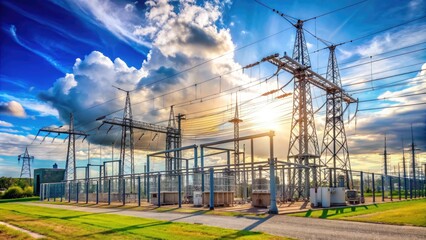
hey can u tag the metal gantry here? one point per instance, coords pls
(70, 173)
(26, 164)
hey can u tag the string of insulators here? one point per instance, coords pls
(270, 92)
(283, 95)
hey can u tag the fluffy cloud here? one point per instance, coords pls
(12, 108)
(5, 124)
(181, 38)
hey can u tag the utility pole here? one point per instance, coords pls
(70, 166)
(26, 164)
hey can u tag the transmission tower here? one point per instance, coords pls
(335, 150)
(70, 172)
(127, 142)
(172, 141)
(236, 121)
(26, 164)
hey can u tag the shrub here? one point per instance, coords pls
(28, 191)
(13, 192)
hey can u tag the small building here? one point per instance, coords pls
(47, 175)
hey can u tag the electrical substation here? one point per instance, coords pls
(225, 170)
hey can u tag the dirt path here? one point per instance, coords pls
(32, 234)
(281, 225)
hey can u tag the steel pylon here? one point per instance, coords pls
(236, 121)
(172, 141)
(303, 145)
(26, 164)
(335, 151)
(127, 142)
(70, 172)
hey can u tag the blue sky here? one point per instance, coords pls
(58, 57)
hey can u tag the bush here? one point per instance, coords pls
(28, 191)
(13, 192)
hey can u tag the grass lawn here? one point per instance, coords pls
(165, 209)
(7, 233)
(26, 199)
(411, 212)
(66, 224)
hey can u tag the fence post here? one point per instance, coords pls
(87, 192)
(180, 190)
(62, 190)
(390, 188)
(78, 183)
(411, 188)
(69, 191)
(399, 186)
(139, 191)
(97, 191)
(405, 188)
(41, 191)
(211, 204)
(383, 188)
(109, 191)
(361, 176)
(374, 189)
(158, 190)
(124, 191)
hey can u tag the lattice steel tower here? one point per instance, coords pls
(303, 145)
(172, 141)
(127, 141)
(70, 173)
(335, 151)
(236, 121)
(26, 164)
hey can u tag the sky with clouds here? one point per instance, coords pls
(59, 56)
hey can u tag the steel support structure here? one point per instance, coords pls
(236, 121)
(26, 164)
(70, 165)
(335, 152)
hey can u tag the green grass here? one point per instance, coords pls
(7, 233)
(400, 213)
(166, 208)
(66, 224)
(26, 199)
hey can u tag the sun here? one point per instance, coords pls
(268, 117)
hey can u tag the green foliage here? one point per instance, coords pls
(6, 182)
(14, 192)
(28, 191)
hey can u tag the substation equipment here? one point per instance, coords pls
(192, 175)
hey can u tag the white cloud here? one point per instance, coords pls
(31, 104)
(13, 108)
(110, 15)
(130, 7)
(5, 124)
